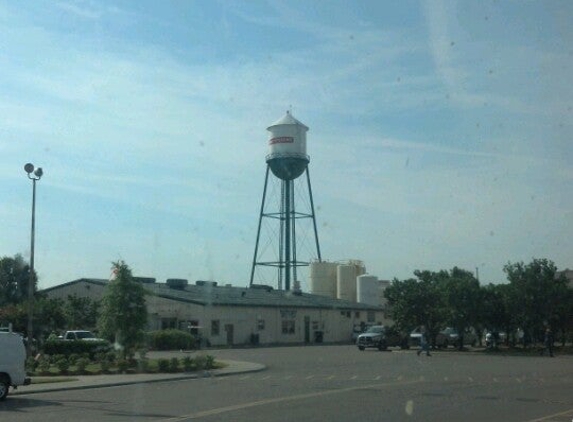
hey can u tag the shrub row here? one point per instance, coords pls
(67, 348)
(171, 339)
(106, 363)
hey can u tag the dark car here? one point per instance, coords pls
(381, 337)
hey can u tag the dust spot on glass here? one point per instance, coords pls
(452, 44)
(492, 233)
(201, 143)
(407, 162)
(351, 37)
(398, 79)
(409, 407)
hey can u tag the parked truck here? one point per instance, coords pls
(12, 363)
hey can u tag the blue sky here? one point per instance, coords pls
(440, 132)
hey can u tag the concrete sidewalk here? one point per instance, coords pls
(78, 382)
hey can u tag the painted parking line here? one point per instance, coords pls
(265, 402)
(562, 416)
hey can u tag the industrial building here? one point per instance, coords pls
(228, 316)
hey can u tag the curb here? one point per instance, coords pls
(233, 368)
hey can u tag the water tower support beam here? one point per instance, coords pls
(259, 228)
(313, 215)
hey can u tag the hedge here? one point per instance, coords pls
(69, 347)
(170, 339)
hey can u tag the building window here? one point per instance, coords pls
(261, 324)
(288, 326)
(371, 316)
(168, 323)
(215, 327)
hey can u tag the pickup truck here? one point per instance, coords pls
(12, 363)
(80, 335)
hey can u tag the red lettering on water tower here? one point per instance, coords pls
(281, 140)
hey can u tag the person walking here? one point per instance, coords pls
(424, 343)
(548, 342)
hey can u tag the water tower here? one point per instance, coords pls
(287, 160)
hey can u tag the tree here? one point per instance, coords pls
(462, 302)
(14, 279)
(123, 312)
(496, 311)
(413, 303)
(81, 312)
(535, 295)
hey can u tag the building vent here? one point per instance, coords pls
(177, 283)
(146, 280)
(206, 283)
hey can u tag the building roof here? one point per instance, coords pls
(208, 293)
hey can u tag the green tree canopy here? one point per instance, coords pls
(123, 310)
(536, 295)
(14, 279)
(416, 302)
(81, 312)
(462, 299)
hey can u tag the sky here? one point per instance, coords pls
(440, 132)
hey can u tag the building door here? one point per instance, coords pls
(306, 330)
(229, 330)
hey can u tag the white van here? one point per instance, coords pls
(12, 363)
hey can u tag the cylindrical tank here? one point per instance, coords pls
(287, 148)
(323, 279)
(346, 282)
(368, 290)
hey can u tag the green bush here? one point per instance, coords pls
(82, 364)
(187, 364)
(174, 365)
(68, 348)
(44, 365)
(204, 362)
(31, 364)
(163, 365)
(122, 366)
(63, 364)
(170, 340)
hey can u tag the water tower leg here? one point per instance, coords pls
(259, 228)
(313, 215)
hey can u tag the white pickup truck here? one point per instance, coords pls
(80, 335)
(12, 363)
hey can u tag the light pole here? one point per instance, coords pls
(33, 176)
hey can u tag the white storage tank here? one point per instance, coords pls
(323, 279)
(346, 282)
(368, 290)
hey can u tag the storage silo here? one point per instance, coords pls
(323, 279)
(346, 282)
(368, 290)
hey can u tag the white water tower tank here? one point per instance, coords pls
(287, 148)
(368, 290)
(346, 282)
(323, 279)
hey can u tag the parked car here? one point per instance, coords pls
(449, 336)
(446, 337)
(381, 337)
